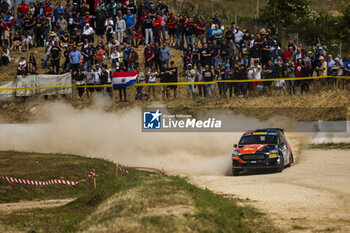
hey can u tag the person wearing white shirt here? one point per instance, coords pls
(5, 56)
(120, 27)
(115, 56)
(109, 24)
(88, 32)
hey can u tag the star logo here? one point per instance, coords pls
(152, 119)
(156, 115)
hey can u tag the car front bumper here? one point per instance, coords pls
(238, 163)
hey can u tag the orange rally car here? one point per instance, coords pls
(262, 148)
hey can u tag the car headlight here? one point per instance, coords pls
(273, 155)
(236, 152)
(274, 151)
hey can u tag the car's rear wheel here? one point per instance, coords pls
(280, 168)
(235, 172)
(291, 159)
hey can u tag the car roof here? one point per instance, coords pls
(270, 131)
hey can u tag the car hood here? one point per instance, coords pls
(254, 148)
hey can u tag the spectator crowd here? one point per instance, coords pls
(92, 39)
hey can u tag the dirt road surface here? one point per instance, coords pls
(311, 196)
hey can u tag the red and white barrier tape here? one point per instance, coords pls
(48, 182)
(122, 169)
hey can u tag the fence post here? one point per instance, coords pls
(94, 174)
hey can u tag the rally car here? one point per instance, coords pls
(262, 148)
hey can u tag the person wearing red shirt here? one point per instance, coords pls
(171, 28)
(48, 13)
(157, 24)
(287, 53)
(23, 9)
(298, 67)
(137, 38)
(86, 19)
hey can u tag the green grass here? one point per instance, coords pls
(330, 146)
(136, 202)
(297, 227)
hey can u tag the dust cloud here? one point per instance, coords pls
(117, 136)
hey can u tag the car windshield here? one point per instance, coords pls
(258, 139)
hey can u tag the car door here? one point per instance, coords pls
(284, 147)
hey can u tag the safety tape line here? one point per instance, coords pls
(48, 182)
(144, 168)
(176, 83)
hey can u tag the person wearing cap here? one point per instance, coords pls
(191, 77)
(190, 31)
(88, 32)
(322, 71)
(74, 59)
(171, 28)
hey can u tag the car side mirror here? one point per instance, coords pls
(235, 145)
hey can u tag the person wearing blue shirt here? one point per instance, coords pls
(217, 33)
(58, 11)
(209, 35)
(164, 55)
(74, 58)
(238, 35)
(130, 21)
(270, 73)
(347, 67)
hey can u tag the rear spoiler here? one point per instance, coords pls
(276, 129)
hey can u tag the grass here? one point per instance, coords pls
(137, 202)
(297, 227)
(331, 146)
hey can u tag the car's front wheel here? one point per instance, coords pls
(280, 168)
(235, 172)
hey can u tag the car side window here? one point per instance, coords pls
(280, 139)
